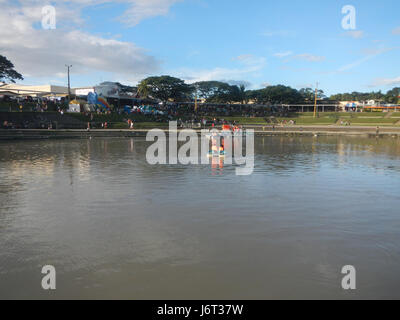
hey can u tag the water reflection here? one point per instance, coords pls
(115, 226)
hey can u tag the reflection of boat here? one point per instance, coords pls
(228, 134)
(219, 134)
(212, 154)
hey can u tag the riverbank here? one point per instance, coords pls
(33, 134)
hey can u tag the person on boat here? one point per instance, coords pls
(222, 147)
(214, 148)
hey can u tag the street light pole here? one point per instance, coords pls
(195, 102)
(315, 104)
(69, 83)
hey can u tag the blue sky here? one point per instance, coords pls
(259, 42)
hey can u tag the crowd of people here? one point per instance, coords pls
(207, 110)
(186, 114)
(30, 104)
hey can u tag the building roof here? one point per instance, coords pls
(34, 91)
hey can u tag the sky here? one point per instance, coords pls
(297, 43)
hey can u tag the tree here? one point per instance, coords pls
(308, 94)
(220, 92)
(242, 94)
(213, 91)
(7, 71)
(359, 96)
(165, 88)
(275, 95)
(393, 96)
(127, 90)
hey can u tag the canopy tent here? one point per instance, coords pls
(74, 108)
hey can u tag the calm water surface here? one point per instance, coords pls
(116, 227)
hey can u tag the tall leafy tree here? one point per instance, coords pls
(241, 94)
(7, 71)
(358, 96)
(213, 91)
(220, 92)
(165, 88)
(393, 96)
(308, 94)
(275, 95)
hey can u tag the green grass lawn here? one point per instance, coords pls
(327, 118)
(311, 114)
(311, 120)
(369, 121)
(244, 120)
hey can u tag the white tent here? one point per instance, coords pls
(74, 107)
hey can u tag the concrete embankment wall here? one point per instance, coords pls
(326, 130)
(30, 134)
(36, 120)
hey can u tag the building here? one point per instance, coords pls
(83, 92)
(33, 91)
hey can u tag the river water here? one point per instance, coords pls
(114, 226)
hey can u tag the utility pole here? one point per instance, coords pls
(195, 102)
(315, 104)
(69, 83)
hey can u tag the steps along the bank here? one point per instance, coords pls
(40, 120)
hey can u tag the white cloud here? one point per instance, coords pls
(375, 51)
(283, 54)
(355, 63)
(385, 82)
(250, 65)
(396, 31)
(357, 34)
(370, 54)
(243, 57)
(52, 50)
(265, 84)
(310, 58)
(215, 74)
(289, 56)
(137, 11)
(144, 9)
(305, 85)
(44, 53)
(250, 60)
